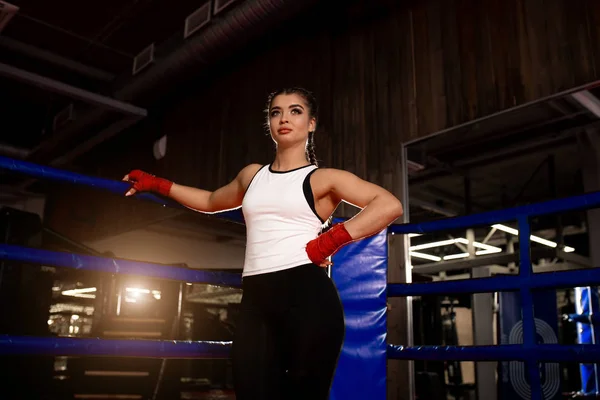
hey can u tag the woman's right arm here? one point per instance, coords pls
(226, 197)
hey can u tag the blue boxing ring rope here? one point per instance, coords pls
(362, 263)
(525, 284)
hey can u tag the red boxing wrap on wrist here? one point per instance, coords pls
(145, 182)
(328, 243)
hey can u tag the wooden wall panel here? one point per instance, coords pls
(577, 30)
(592, 12)
(385, 73)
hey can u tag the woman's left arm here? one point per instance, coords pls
(379, 207)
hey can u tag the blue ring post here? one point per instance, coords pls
(360, 274)
(529, 332)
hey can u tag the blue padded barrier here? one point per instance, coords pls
(360, 274)
(116, 266)
(61, 346)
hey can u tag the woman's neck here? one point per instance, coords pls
(288, 159)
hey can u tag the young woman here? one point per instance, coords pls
(291, 326)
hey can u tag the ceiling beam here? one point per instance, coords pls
(457, 201)
(588, 101)
(11, 151)
(70, 91)
(560, 140)
(53, 58)
(429, 206)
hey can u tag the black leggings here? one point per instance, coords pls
(288, 336)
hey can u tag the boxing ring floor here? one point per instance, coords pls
(360, 274)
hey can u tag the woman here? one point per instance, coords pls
(291, 326)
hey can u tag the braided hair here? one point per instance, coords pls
(313, 112)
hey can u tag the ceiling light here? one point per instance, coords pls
(425, 256)
(137, 290)
(433, 244)
(456, 256)
(82, 293)
(533, 238)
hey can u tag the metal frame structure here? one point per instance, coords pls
(488, 265)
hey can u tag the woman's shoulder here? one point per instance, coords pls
(327, 172)
(247, 173)
(251, 168)
(331, 176)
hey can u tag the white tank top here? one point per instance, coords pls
(280, 219)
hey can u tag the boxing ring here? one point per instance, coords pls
(360, 274)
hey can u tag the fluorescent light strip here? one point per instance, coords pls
(82, 295)
(490, 251)
(506, 229)
(478, 253)
(487, 249)
(137, 290)
(433, 244)
(533, 238)
(425, 256)
(456, 256)
(454, 241)
(76, 291)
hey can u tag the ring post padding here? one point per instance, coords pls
(360, 274)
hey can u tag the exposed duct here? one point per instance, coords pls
(238, 26)
(222, 35)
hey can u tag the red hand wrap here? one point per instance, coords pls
(145, 182)
(328, 243)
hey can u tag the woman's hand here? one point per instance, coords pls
(145, 182)
(325, 245)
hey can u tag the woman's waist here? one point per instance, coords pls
(293, 237)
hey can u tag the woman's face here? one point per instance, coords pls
(290, 120)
